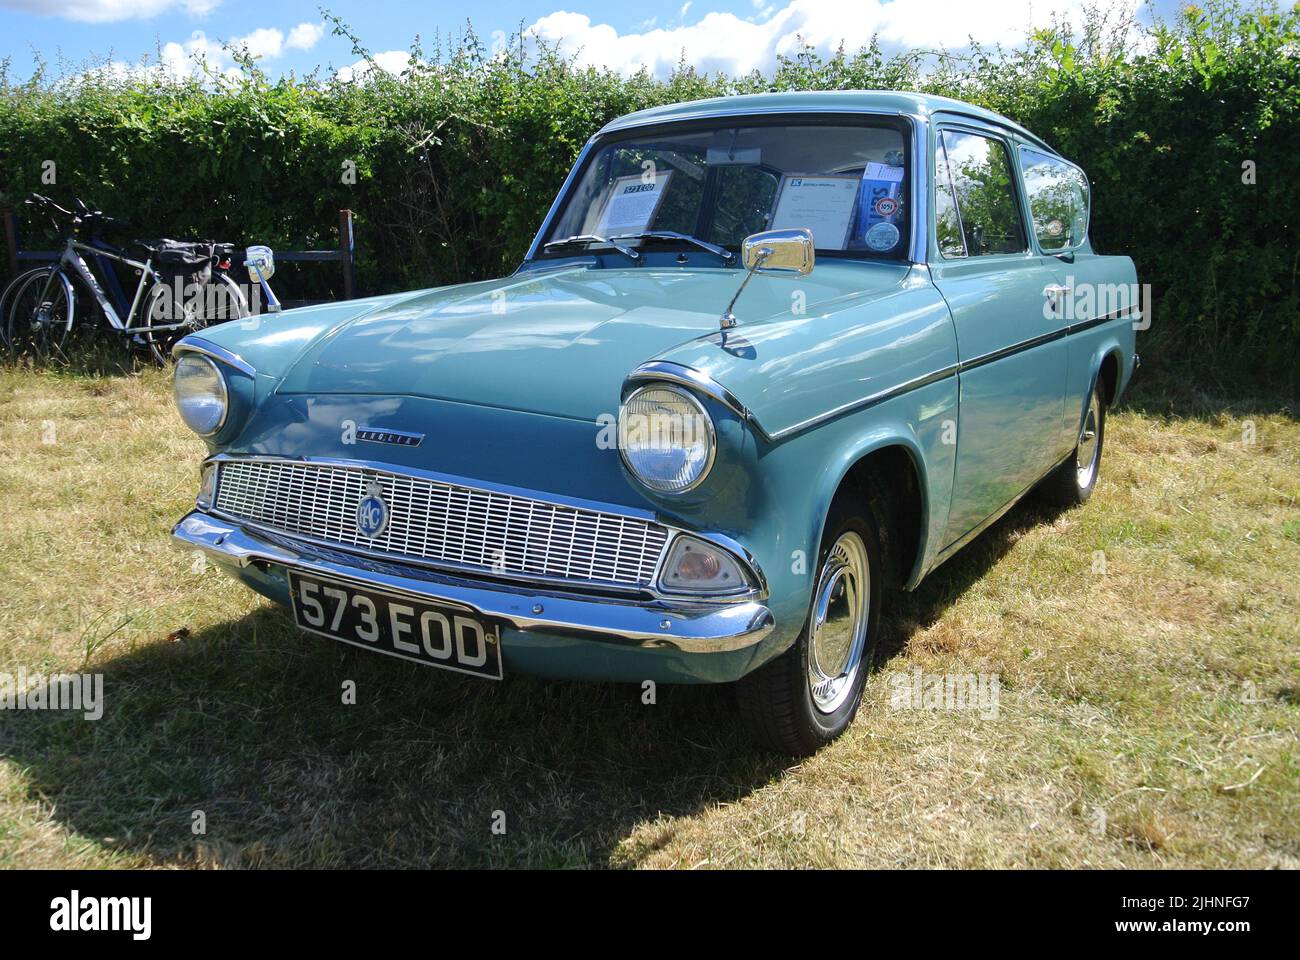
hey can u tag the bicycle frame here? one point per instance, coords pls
(72, 261)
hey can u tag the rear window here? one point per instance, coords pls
(1058, 200)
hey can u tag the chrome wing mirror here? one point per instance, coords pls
(774, 251)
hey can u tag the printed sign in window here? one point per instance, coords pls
(823, 204)
(632, 204)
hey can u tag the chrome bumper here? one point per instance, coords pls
(688, 627)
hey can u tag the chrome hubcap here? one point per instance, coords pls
(1085, 457)
(837, 633)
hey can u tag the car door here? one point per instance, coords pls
(1012, 353)
(1058, 197)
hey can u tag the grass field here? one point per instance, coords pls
(1146, 647)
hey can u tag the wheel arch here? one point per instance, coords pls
(886, 470)
(1108, 370)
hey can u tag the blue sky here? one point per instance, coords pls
(730, 35)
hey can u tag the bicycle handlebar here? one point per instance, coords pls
(46, 201)
(82, 214)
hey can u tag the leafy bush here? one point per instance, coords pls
(458, 158)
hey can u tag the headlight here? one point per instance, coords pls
(666, 438)
(696, 566)
(201, 394)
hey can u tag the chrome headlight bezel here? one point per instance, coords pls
(655, 485)
(221, 392)
(747, 580)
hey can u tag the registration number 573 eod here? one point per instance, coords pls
(400, 626)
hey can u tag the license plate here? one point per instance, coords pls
(427, 633)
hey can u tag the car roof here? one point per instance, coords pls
(918, 105)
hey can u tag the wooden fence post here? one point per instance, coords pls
(11, 240)
(347, 254)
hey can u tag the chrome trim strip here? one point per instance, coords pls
(685, 376)
(1003, 352)
(689, 628)
(870, 401)
(945, 372)
(195, 344)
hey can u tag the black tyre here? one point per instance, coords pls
(808, 696)
(37, 313)
(1072, 483)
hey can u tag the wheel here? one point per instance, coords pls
(38, 314)
(808, 696)
(192, 305)
(6, 299)
(1072, 483)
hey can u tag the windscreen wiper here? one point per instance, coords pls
(592, 238)
(726, 255)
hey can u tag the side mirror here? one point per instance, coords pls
(260, 261)
(779, 251)
(785, 251)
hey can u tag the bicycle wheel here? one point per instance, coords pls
(191, 306)
(40, 311)
(6, 299)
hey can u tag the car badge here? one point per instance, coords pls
(372, 512)
(400, 438)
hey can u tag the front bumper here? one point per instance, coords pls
(550, 633)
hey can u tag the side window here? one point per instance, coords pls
(976, 212)
(1058, 200)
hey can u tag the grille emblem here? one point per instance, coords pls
(372, 512)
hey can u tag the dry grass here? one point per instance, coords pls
(1148, 715)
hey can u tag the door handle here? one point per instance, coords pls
(1056, 292)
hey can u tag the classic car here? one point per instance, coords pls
(768, 358)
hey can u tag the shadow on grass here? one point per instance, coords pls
(245, 723)
(1194, 396)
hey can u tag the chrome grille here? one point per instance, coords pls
(444, 523)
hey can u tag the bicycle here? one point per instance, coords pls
(183, 287)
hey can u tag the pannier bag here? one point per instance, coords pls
(191, 262)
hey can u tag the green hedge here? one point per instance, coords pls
(458, 159)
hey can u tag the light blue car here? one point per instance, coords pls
(767, 358)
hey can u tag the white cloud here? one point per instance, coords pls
(305, 36)
(726, 42)
(184, 58)
(390, 61)
(106, 11)
(200, 54)
(265, 42)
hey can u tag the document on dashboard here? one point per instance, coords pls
(632, 203)
(823, 204)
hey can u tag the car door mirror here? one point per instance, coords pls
(784, 251)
